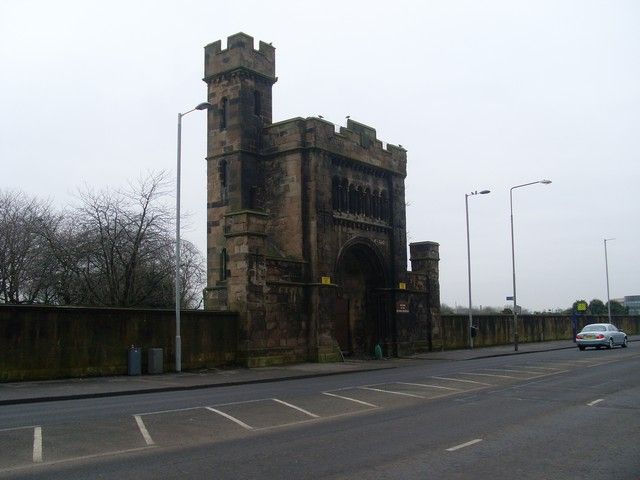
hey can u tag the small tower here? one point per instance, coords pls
(239, 82)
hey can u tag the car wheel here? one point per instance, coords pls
(610, 346)
(581, 347)
(624, 343)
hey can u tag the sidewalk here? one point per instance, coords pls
(14, 393)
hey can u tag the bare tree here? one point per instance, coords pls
(24, 264)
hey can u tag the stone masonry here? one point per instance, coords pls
(306, 226)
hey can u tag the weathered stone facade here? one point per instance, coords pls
(306, 226)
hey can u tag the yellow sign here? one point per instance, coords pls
(402, 286)
(326, 280)
(582, 306)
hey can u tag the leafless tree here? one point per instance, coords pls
(24, 265)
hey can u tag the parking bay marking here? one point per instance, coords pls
(463, 445)
(591, 404)
(489, 375)
(404, 394)
(464, 381)
(430, 386)
(361, 402)
(143, 430)
(296, 408)
(233, 419)
(37, 445)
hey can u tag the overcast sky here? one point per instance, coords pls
(482, 94)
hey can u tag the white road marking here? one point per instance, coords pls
(463, 445)
(464, 381)
(591, 404)
(544, 368)
(296, 408)
(17, 428)
(143, 430)
(391, 392)
(37, 445)
(233, 419)
(489, 375)
(430, 386)
(508, 370)
(351, 399)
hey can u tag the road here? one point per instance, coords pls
(558, 414)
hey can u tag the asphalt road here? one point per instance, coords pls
(559, 414)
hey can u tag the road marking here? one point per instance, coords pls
(430, 386)
(464, 381)
(463, 445)
(17, 428)
(233, 419)
(544, 368)
(296, 408)
(391, 391)
(351, 399)
(144, 431)
(489, 375)
(508, 370)
(591, 404)
(37, 445)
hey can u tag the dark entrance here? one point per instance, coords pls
(360, 321)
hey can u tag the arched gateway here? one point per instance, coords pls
(306, 233)
(361, 313)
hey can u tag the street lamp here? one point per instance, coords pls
(466, 206)
(201, 106)
(606, 267)
(513, 259)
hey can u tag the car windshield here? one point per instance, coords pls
(594, 328)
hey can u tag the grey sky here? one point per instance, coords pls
(486, 94)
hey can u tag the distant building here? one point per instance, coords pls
(632, 302)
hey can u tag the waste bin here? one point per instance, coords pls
(134, 361)
(155, 360)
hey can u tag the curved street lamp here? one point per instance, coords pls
(178, 346)
(513, 259)
(466, 206)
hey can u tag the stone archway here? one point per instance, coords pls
(360, 317)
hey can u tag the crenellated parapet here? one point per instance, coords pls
(239, 55)
(356, 141)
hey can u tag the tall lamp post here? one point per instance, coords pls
(513, 260)
(466, 206)
(178, 349)
(606, 267)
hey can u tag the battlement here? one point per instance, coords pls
(356, 141)
(239, 54)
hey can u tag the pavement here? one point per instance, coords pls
(14, 393)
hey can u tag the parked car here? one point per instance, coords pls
(601, 335)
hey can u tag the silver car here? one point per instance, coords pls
(601, 335)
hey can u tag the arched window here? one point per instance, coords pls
(344, 195)
(224, 113)
(257, 107)
(375, 204)
(353, 199)
(223, 173)
(223, 264)
(384, 206)
(359, 201)
(335, 193)
(367, 202)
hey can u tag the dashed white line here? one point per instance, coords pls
(361, 402)
(464, 381)
(391, 392)
(143, 430)
(595, 402)
(463, 445)
(233, 419)
(296, 408)
(37, 445)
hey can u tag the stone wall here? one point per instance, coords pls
(498, 329)
(43, 342)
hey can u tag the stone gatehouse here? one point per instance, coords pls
(306, 226)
